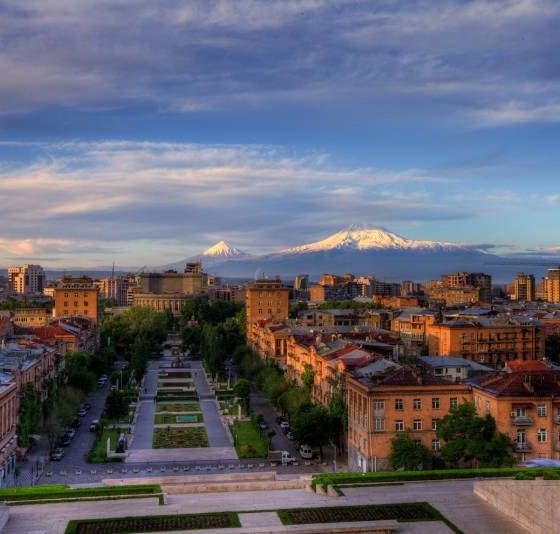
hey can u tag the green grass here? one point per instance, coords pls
(42, 493)
(402, 512)
(180, 438)
(249, 442)
(178, 407)
(154, 523)
(230, 408)
(98, 453)
(171, 419)
(348, 479)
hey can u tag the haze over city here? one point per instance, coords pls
(143, 133)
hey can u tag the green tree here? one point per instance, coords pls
(471, 440)
(408, 454)
(307, 377)
(116, 405)
(310, 425)
(242, 389)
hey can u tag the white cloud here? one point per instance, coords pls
(516, 113)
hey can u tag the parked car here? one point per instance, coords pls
(279, 419)
(290, 436)
(263, 425)
(285, 426)
(101, 383)
(86, 406)
(82, 412)
(104, 377)
(306, 452)
(64, 440)
(57, 454)
(70, 432)
(94, 425)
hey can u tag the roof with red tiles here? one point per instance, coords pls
(544, 383)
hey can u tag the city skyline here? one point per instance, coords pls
(142, 134)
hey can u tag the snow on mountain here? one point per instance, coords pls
(223, 250)
(368, 238)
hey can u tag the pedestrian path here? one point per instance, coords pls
(144, 428)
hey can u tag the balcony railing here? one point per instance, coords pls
(522, 420)
(522, 446)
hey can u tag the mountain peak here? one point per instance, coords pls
(364, 237)
(222, 249)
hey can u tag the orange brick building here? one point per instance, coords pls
(404, 399)
(488, 341)
(77, 297)
(8, 422)
(266, 300)
(526, 406)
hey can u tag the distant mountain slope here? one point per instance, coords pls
(221, 251)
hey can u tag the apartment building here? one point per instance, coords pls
(524, 288)
(26, 279)
(77, 296)
(380, 406)
(114, 288)
(492, 341)
(8, 423)
(266, 300)
(551, 285)
(412, 327)
(526, 406)
(31, 316)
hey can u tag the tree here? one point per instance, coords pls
(310, 425)
(471, 440)
(408, 454)
(242, 389)
(116, 405)
(307, 377)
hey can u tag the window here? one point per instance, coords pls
(541, 410)
(65, 304)
(65, 294)
(435, 403)
(379, 405)
(399, 425)
(453, 402)
(75, 304)
(541, 435)
(85, 302)
(487, 407)
(379, 424)
(435, 423)
(399, 404)
(417, 404)
(438, 371)
(417, 425)
(436, 444)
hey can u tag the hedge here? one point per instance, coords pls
(442, 474)
(64, 492)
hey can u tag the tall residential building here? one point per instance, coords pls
(76, 296)
(551, 285)
(466, 282)
(115, 288)
(301, 282)
(524, 289)
(267, 299)
(26, 279)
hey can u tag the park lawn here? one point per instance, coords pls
(180, 407)
(249, 442)
(98, 453)
(171, 419)
(180, 438)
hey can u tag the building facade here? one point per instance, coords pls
(524, 288)
(25, 279)
(77, 296)
(266, 300)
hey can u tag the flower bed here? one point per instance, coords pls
(171, 419)
(415, 511)
(157, 523)
(179, 407)
(180, 438)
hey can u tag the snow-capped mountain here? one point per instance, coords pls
(364, 238)
(223, 250)
(363, 250)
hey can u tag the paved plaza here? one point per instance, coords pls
(455, 499)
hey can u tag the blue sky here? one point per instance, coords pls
(142, 132)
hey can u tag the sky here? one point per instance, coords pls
(143, 132)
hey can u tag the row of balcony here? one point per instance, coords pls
(527, 420)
